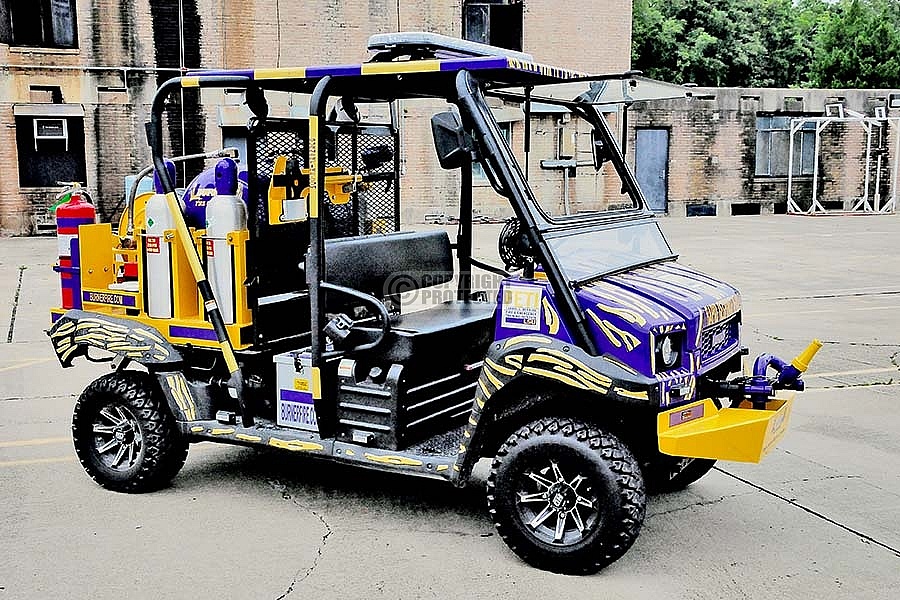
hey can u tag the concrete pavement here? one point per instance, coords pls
(819, 518)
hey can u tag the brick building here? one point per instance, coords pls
(77, 79)
(726, 151)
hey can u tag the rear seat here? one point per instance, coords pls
(382, 265)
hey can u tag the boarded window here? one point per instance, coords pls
(773, 139)
(50, 150)
(41, 23)
(496, 23)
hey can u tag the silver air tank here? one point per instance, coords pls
(225, 213)
(157, 250)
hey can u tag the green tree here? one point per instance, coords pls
(726, 42)
(858, 46)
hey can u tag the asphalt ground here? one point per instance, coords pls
(819, 518)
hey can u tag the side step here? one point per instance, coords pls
(432, 458)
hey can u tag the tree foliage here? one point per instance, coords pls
(769, 43)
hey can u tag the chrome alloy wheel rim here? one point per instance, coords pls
(118, 439)
(557, 510)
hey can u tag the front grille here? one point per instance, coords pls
(718, 338)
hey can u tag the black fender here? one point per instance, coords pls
(516, 363)
(77, 330)
(189, 399)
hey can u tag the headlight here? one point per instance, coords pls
(668, 352)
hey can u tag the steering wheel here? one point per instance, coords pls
(372, 301)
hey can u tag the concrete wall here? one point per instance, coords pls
(712, 148)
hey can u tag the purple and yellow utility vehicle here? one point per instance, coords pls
(602, 367)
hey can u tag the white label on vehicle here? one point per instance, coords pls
(522, 307)
(296, 409)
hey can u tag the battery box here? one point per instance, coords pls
(295, 407)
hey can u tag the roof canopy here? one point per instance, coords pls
(421, 64)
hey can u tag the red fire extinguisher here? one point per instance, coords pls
(69, 215)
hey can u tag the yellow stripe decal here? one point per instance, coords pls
(491, 377)
(551, 317)
(521, 339)
(190, 82)
(316, 383)
(176, 393)
(557, 376)
(629, 394)
(583, 367)
(313, 167)
(285, 73)
(228, 353)
(197, 429)
(417, 66)
(192, 409)
(484, 388)
(514, 359)
(392, 459)
(295, 445)
(500, 369)
(227, 431)
(248, 438)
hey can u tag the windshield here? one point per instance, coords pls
(590, 254)
(570, 155)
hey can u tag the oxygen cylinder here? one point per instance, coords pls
(157, 252)
(225, 213)
(69, 216)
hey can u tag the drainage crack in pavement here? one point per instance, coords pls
(298, 578)
(15, 307)
(21, 398)
(697, 504)
(868, 539)
(826, 296)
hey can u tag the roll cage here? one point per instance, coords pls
(461, 81)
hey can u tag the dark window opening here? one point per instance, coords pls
(773, 139)
(40, 23)
(746, 208)
(50, 149)
(50, 94)
(496, 23)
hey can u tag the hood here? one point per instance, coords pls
(624, 309)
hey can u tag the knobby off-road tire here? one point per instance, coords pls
(124, 434)
(659, 473)
(566, 496)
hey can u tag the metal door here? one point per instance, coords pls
(652, 166)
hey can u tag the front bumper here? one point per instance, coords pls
(738, 433)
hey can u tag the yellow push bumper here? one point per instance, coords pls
(739, 433)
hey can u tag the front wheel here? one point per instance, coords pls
(674, 473)
(566, 496)
(124, 434)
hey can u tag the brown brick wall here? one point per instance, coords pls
(115, 36)
(712, 147)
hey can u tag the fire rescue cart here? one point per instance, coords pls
(264, 306)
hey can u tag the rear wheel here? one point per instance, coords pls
(124, 434)
(565, 496)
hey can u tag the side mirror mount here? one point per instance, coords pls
(599, 148)
(451, 142)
